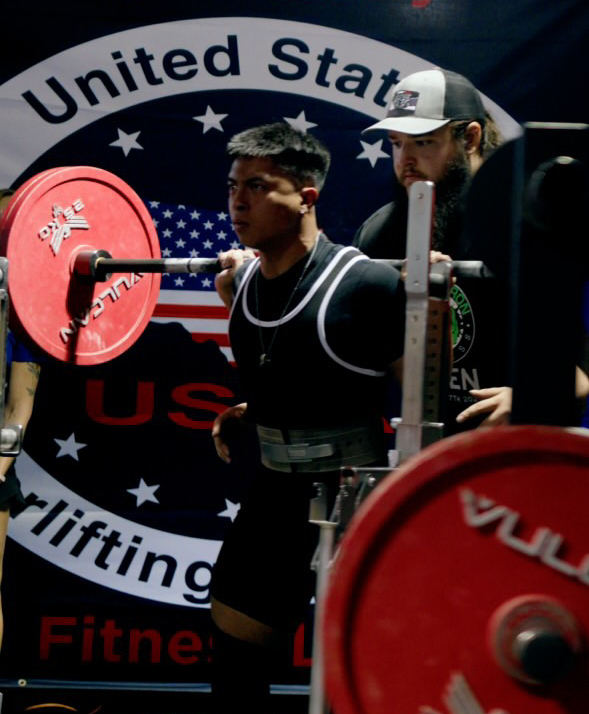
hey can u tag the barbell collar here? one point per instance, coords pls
(99, 265)
(535, 639)
(85, 265)
(11, 440)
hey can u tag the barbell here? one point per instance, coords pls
(85, 263)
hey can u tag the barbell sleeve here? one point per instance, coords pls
(460, 268)
(158, 265)
(98, 265)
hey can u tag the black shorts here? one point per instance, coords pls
(264, 567)
(11, 496)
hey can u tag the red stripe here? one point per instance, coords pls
(221, 340)
(204, 311)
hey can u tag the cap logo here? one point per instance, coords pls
(405, 100)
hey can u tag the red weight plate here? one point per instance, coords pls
(57, 215)
(437, 556)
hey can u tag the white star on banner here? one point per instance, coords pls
(194, 215)
(69, 447)
(206, 283)
(207, 244)
(167, 233)
(166, 253)
(144, 493)
(181, 224)
(193, 254)
(179, 282)
(154, 204)
(222, 216)
(167, 213)
(210, 120)
(373, 152)
(300, 122)
(126, 142)
(180, 243)
(208, 225)
(194, 234)
(230, 511)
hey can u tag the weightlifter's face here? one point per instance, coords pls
(424, 157)
(264, 204)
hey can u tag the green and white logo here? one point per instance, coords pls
(463, 324)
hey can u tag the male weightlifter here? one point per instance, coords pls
(313, 354)
(440, 132)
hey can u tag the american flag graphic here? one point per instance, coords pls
(191, 299)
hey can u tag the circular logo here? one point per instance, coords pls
(463, 324)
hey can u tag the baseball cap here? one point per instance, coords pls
(424, 101)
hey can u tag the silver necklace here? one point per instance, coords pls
(265, 353)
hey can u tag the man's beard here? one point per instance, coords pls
(450, 191)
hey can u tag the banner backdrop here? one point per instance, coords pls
(107, 569)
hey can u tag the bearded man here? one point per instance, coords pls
(440, 131)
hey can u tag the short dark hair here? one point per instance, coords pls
(301, 156)
(490, 138)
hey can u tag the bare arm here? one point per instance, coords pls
(24, 377)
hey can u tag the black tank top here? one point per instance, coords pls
(317, 375)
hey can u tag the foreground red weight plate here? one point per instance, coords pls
(51, 219)
(462, 583)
